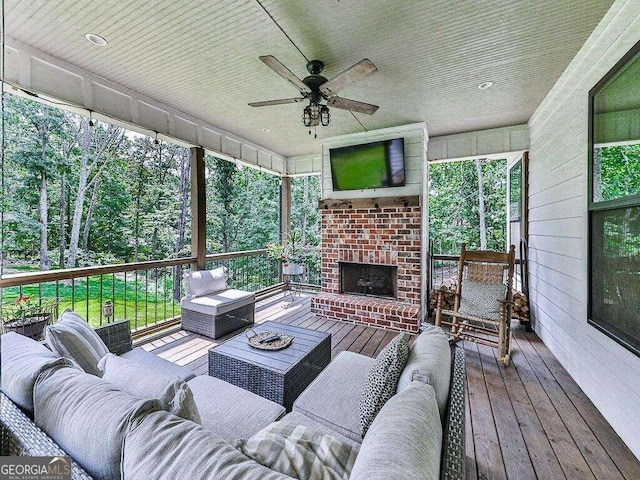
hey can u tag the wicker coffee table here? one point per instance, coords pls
(280, 375)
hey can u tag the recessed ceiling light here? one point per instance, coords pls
(96, 39)
(485, 85)
(265, 130)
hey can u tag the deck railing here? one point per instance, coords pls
(146, 293)
(312, 276)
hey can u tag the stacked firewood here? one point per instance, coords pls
(448, 297)
(520, 309)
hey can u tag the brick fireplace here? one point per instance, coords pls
(371, 262)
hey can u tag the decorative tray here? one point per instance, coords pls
(262, 340)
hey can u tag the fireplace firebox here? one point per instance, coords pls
(371, 280)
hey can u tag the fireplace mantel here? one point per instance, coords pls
(370, 203)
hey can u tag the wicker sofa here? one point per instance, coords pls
(20, 436)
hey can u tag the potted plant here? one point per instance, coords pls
(290, 254)
(28, 316)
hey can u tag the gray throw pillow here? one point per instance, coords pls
(205, 282)
(149, 383)
(481, 299)
(165, 447)
(430, 359)
(88, 417)
(73, 338)
(23, 359)
(382, 380)
(300, 452)
(405, 440)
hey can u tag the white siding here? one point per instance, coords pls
(608, 373)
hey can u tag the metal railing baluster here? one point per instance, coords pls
(146, 297)
(101, 299)
(86, 300)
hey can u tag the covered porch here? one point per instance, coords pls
(566, 405)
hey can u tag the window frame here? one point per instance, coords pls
(612, 204)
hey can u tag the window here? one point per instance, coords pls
(614, 203)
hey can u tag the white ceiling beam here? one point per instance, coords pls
(81, 91)
(485, 143)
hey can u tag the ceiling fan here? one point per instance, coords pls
(315, 88)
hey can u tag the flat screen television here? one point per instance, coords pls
(366, 166)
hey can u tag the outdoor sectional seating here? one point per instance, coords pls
(419, 433)
(212, 309)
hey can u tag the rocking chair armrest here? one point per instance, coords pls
(505, 302)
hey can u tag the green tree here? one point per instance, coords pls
(458, 207)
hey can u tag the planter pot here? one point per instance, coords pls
(293, 269)
(31, 326)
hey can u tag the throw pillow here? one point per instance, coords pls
(73, 338)
(481, 299)
(382, 380)
(87, 418)
(147, 383)
(300, 452)
(205, 282)
(22, 360)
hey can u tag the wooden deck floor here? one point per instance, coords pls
(527, 421)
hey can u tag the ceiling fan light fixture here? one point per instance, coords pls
(96, 39)
(325, 116)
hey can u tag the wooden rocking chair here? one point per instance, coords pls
(483, 300)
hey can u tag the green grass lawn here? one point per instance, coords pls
(365, 168)
(144, 302)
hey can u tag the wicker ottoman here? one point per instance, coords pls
(280, 376)
(218, 314)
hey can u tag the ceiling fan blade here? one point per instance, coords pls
(352, 105)
(352, 74)
(275, 65)
(276, 102)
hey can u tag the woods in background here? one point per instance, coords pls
(78, 194)
(467, 204)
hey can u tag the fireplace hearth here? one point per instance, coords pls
(371, 280)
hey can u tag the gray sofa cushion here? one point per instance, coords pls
(332, 398)
(23, 359)
(382, 380)
(183, 449)
(74, 338)
(404, 442)
(229, 411)
(219, 302)
(430, 356)
(481, 299)
(146, 382)
(297, 418)
(153, 361)
(301, 452)
(87, 417)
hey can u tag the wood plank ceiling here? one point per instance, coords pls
(201, 57)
